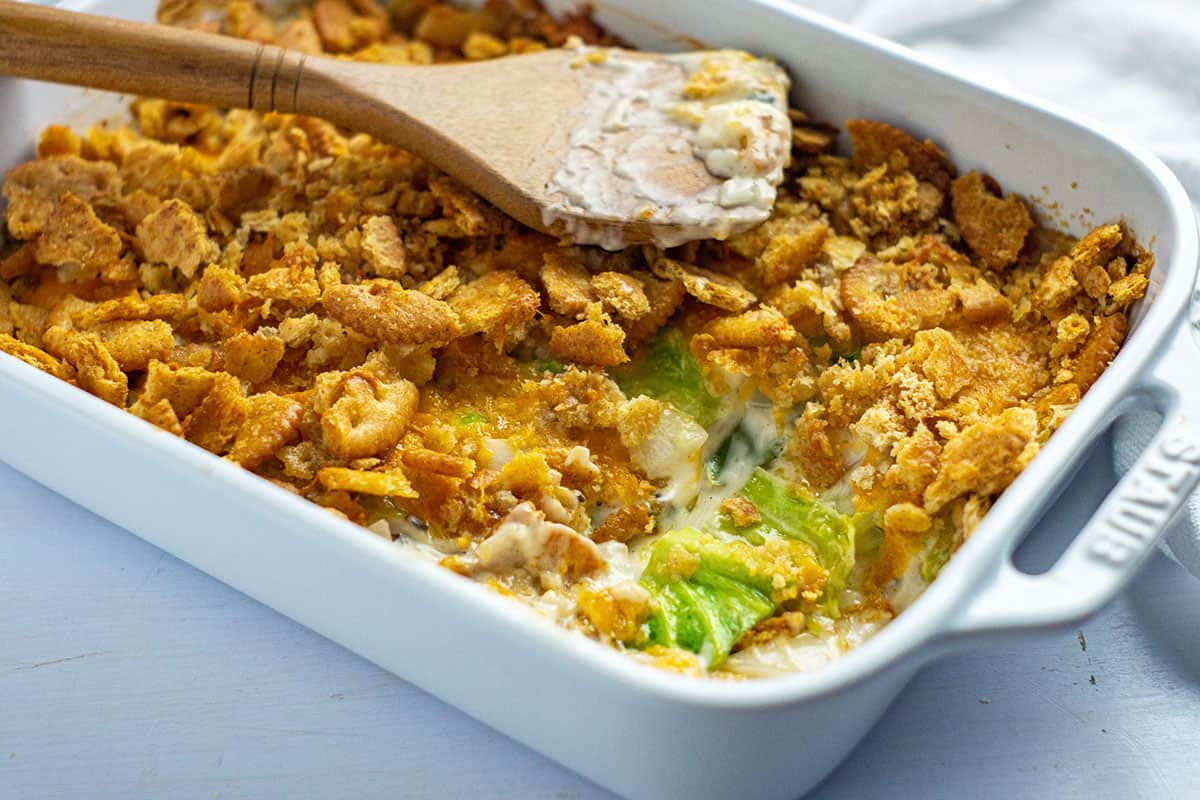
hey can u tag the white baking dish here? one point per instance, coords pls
(638, 731)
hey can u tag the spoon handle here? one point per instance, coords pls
(153, 60)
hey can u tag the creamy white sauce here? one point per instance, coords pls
(694, 164)
(692, 499)
(804, 652)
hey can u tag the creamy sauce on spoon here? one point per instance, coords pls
(693, 143)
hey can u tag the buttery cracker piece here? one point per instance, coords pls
(347, 25)
(424, 460)
(481, 46)
(1100, 349)
(392, 483)
(741, 511)
(243, 20)
(1129, 288)
(624, 294)
(1061, 281)
(96, 371)
(300, 36)
(710, 288)
(293, 282)
(74, 237)
(499, 305)
(22, 261)
(984, 458)
(664, 298)
(175, 235)
(36, 357)
(811, 450)
(58, 140)
(463, 206)
(131, 307)
(385, 312)
(1057, 286)
(873, 143)
(567, 283)
(905, 518)
(596, 341)
(916, 457)
(624, 524)
(216, 420)
(33, 189)
(135, 343)
(136, 206)
(788, 254)
(183, 387)
(943, 360)
(236, 191)
(220, 289)
(759, 327)
(444, 26)
(252, 357)
(442, 285)
(995, 228)
(159, 414)
(617, 611)
(982, 302)
(382, 248)
(874, 294)
(272, 422)
(298, 331)
(359, 414)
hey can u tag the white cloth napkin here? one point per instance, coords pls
(1131, 66)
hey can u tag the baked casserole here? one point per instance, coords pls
(727, 458)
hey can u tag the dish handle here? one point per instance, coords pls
(1123, 531)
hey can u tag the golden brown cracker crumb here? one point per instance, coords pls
(380, 484)
(706, 286)
(596, 341)
(159, 414)
(624, 294)
(252, 357)
(35, 188)
(741, 511)
(96, 371)
(567, 283)
(874, 142)
(271, 423)
(995, 228)
(359, 414)
(135, 343)
(75, 238)
(984, 458)
(624, 524)
(176, 236)
(1099, 349)
(36, 357)
(498, 305)
(383, 249)
(383, 310)
(787, 255)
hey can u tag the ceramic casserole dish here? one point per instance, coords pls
(636, 730)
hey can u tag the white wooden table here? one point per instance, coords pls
(127, 674)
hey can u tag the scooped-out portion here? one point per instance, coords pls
(734, 458)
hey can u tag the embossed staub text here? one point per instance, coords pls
(1146, 499)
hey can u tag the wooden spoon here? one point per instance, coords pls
(502, 127)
